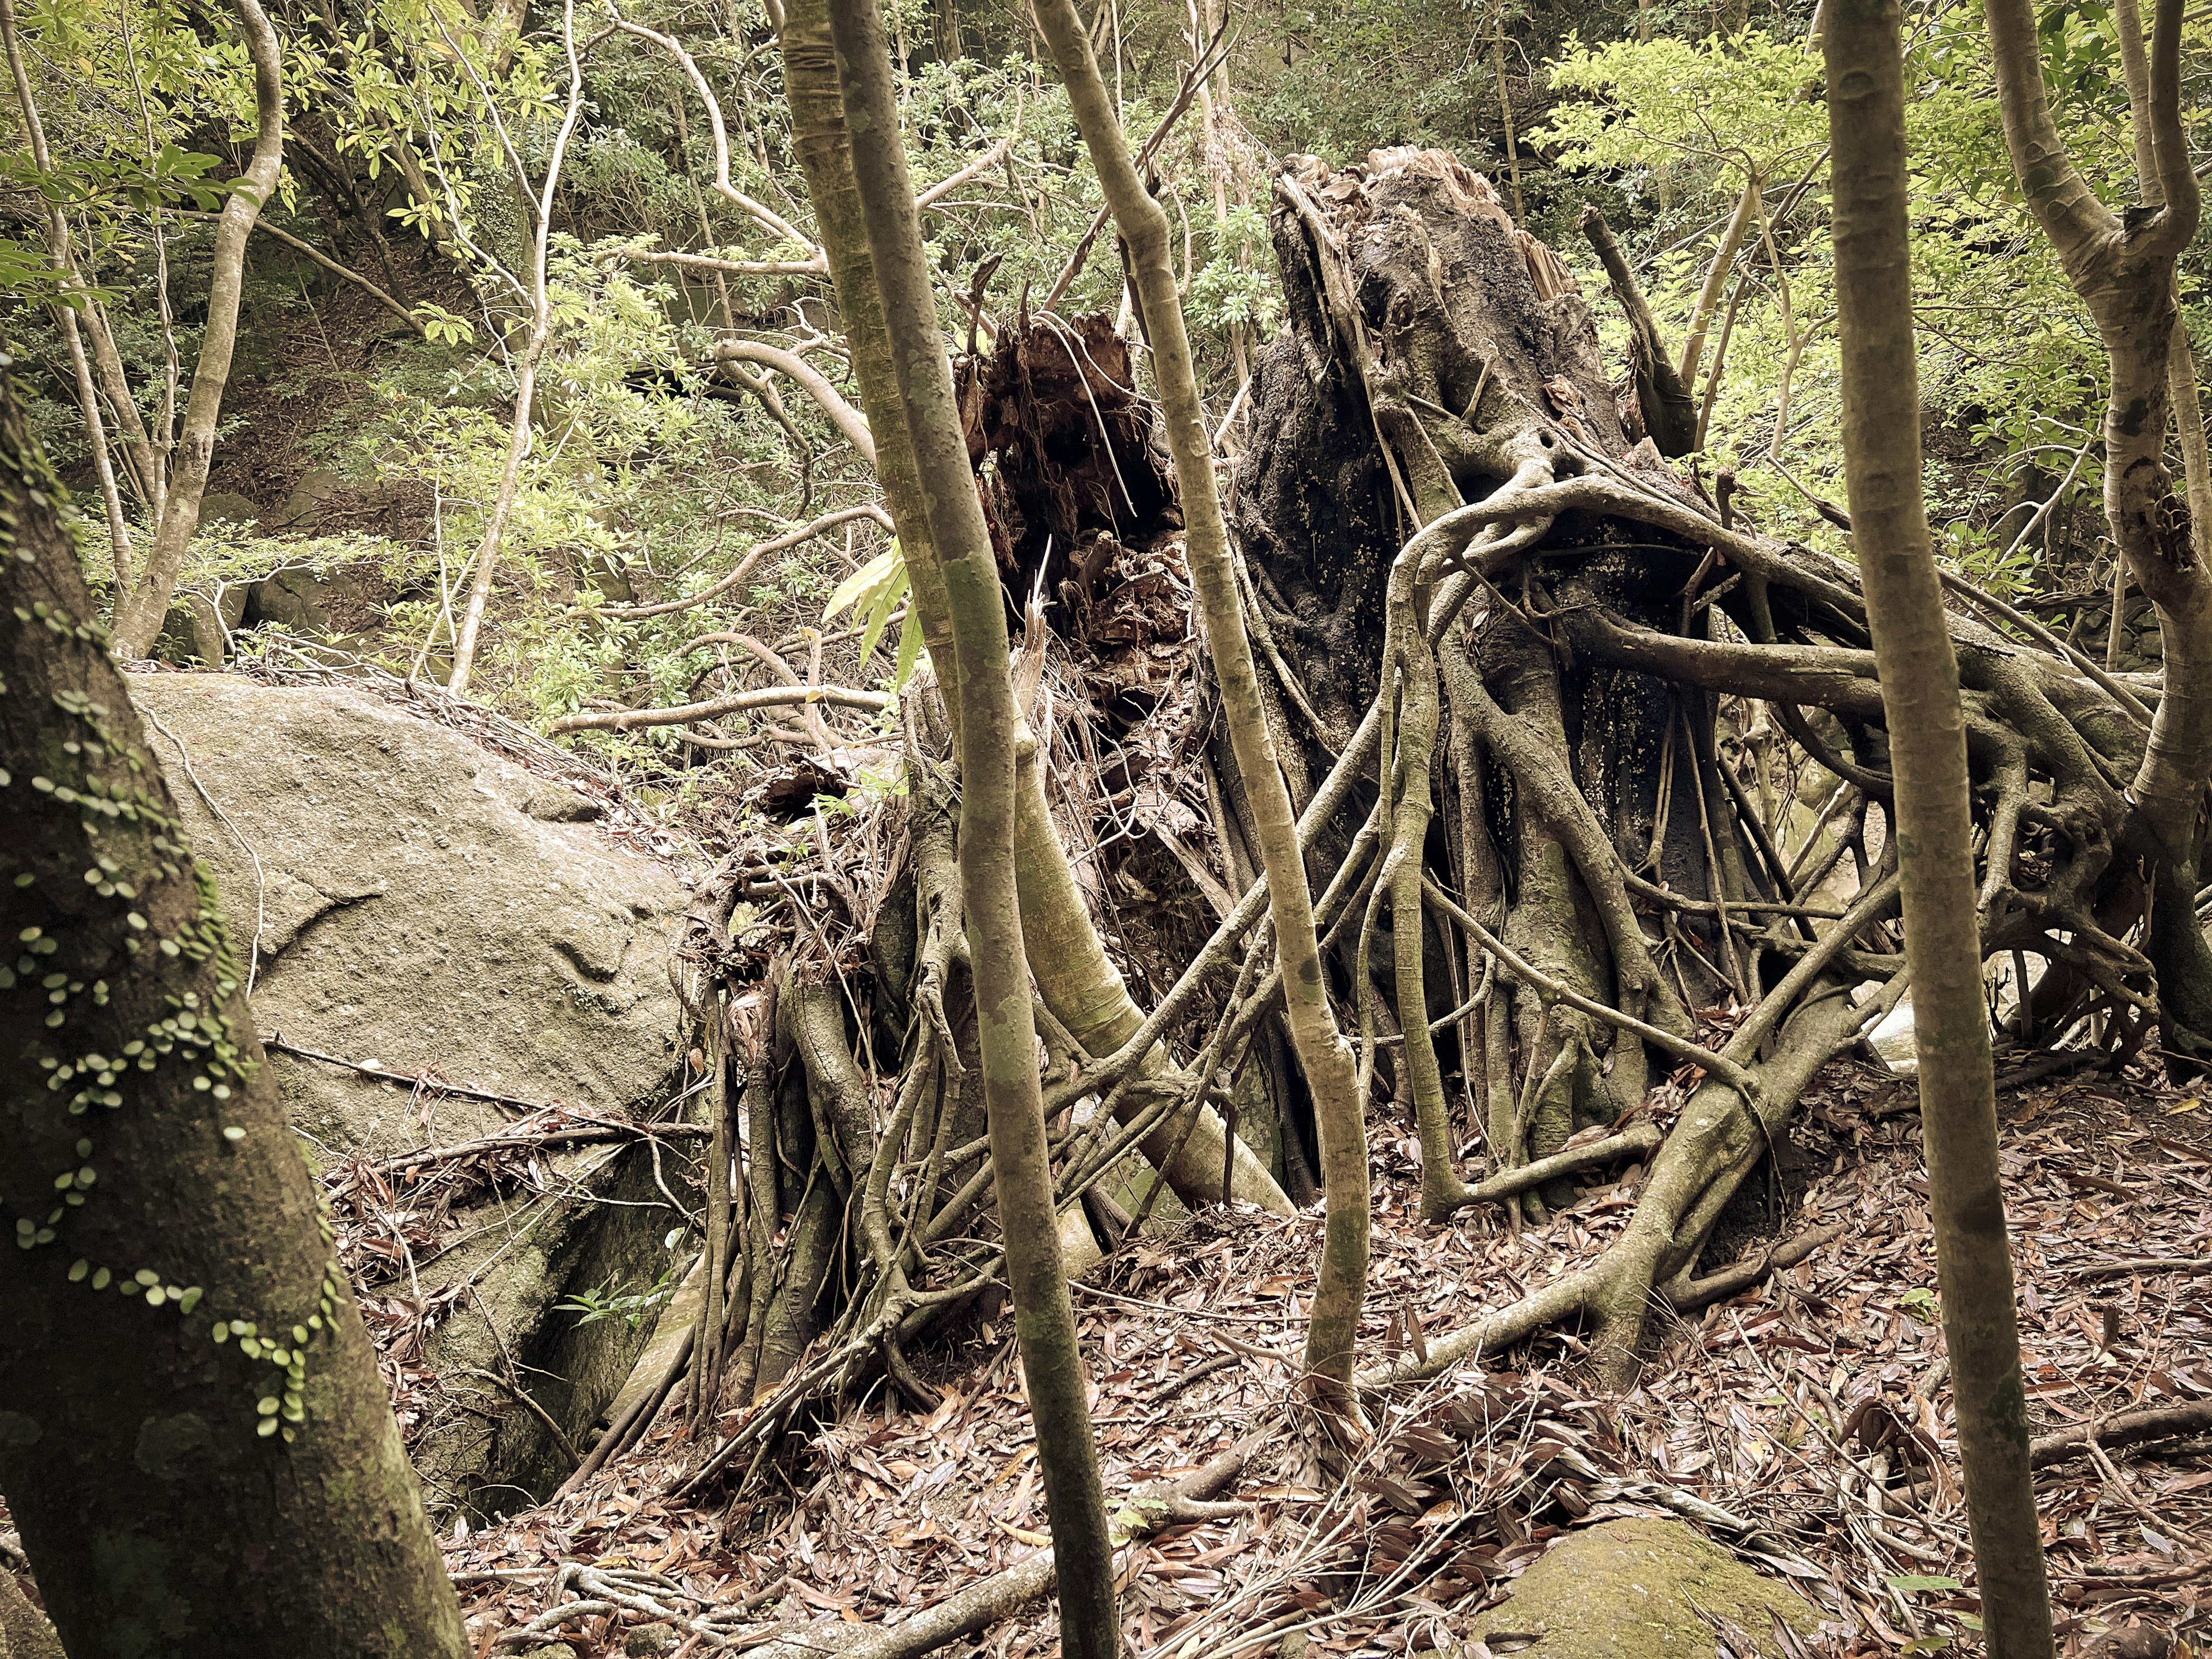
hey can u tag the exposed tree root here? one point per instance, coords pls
(1575, 893)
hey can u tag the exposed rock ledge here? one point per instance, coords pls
(414, 900)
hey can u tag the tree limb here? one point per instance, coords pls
(774, 696)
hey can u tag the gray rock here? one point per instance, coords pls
(649, 1641)
(407, 898)
(1638, 1590)
(226, 507)
(329, 604)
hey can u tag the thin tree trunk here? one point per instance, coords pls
(194, 1438)
(992, 729)
(1919, 675)
(1505, 112)
(1333, 1334)
(1078, 981)
(520, 434)
(2124, 272)
(139, 615)
(1709, 296)
(58, 250)
(2181, 361)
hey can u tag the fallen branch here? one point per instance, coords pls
(275, 1044)
(514, 1392)
(581, 1591)
(1702, 1294)
(1004, 1594)
(2128, 1429)
(773, 696)
(2148, 1264)
(598, 1132)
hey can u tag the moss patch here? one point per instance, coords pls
(1639, 1590)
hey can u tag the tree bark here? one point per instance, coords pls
(1333, 1334)
(2123, 271)
(1919, 675)
(194, 1439)
(140, 614)
(992, 731)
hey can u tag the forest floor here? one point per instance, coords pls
(1774, 1410)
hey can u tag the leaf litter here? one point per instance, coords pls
(1806, 1424)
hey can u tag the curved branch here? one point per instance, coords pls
(809, 379)
(761, 214)
(743, 568)
(774, 696)
(328, 264)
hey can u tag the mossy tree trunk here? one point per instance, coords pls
(193, 1437)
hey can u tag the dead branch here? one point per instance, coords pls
(2128, 1429)
(772, 696)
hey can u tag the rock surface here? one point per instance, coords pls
(412, 899)
(1638, 1590)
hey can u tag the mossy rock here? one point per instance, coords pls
(1639, 1590)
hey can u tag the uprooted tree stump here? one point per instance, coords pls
(1551, 661)
(1591, 775)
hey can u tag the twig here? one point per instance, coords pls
(516, 1392)
(2128, 1429)
(771, 697)
(275, 1044)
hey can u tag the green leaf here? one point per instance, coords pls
(909, 650)
(1913, 1581)
(879, 613)
(861, 588)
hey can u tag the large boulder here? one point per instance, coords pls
(412, 903)
(1640, 1588)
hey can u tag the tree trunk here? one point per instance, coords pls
(140, 614)
(992, 731)
(1935, 817)
(195, 1441)
(2124, 269)
(1332, 1336)
(1080, 983)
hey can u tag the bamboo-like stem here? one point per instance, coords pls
(992, 731)
(1327, 1058)
(1934, 831)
